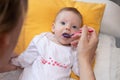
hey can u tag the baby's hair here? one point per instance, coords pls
(74, 10)
(11, 11)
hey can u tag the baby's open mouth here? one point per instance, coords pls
(66, 35)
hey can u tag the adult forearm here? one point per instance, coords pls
(4, 60)
(86, 71)
(5, 64)
(7, 68)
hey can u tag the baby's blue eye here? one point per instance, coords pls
(74, 27)
(63, 23)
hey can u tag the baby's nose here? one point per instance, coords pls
(67, 28)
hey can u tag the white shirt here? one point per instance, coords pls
(46, 60)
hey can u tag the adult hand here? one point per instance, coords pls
(87, 44)
(86, 50)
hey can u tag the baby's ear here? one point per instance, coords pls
(53, 27)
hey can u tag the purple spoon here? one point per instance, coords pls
(66, 35)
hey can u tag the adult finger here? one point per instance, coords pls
(75, 43)
(93, 37)
(84, 35)
(76, 36)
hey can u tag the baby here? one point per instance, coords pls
(50, 56)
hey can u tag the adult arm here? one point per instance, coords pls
(8, 66)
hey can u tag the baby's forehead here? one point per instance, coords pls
(67, 14)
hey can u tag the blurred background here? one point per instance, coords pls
(117, 39)
(116, 1)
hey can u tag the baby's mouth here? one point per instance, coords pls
(66, 35)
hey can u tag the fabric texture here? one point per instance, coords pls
(105, 49)
(115, 64)
(11, 75)
(44, 60)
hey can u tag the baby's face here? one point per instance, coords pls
(66, 22)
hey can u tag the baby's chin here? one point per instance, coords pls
(65, 43)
